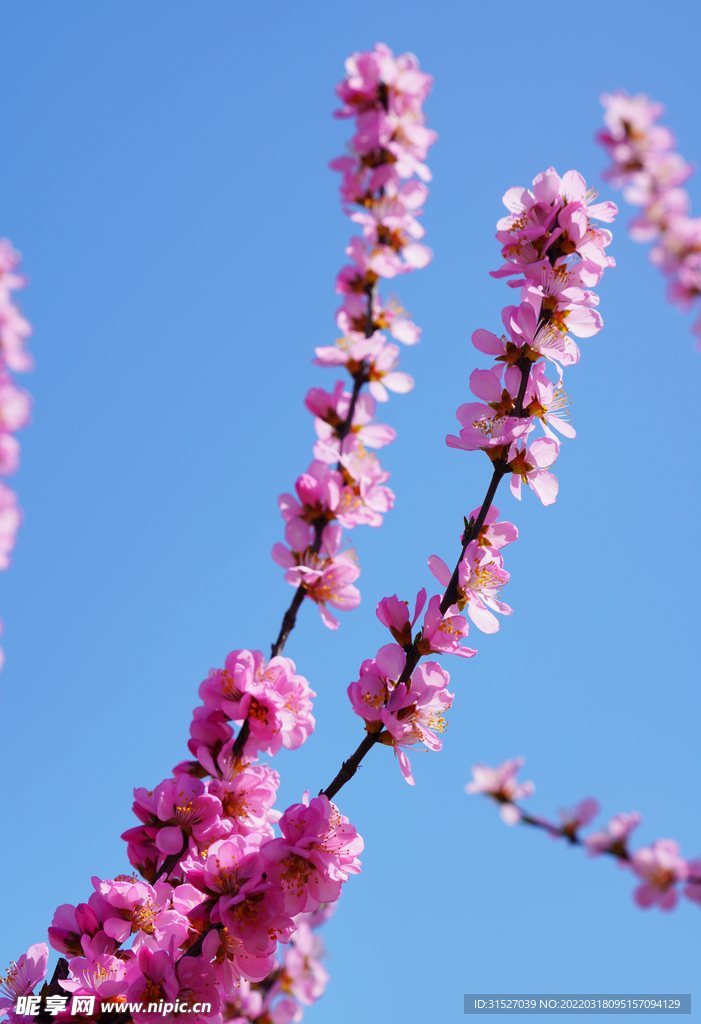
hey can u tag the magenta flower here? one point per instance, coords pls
(247, 794)
(660, 866)
(153, 978)
(394, 614)
(235, 968)
(179, 808)
(230, 873)
(140, 907)
(692, 891)
(275, 700)
(410, 713)
(415, 713)
(318, 851)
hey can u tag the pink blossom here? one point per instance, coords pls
(441, 634)
(394, 614)
(502, 785)
(660, 866)
(481, 578)
(179, 808)
(275, 700)
(327, 577)
(103, 976)
(10, 522)
(579, 816)
(409, 712)
(614, 838)
(530, 466)
(247, 793)
(494, 534)
(235, 967)
(23, 976)
(692, 891)
(415, 713)
(304, 977)
(153, 977)
(140, 907)
(231, 874)
(318, 851)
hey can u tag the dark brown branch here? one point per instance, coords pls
(350, 767)
(289, 620)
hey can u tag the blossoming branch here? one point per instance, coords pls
(646, 166)
(662, 871)
(553, 248)
(383, 190)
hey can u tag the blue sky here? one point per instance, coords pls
(165, 176)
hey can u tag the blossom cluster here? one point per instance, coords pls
(15, 402)
(554, 252)
(644, 163)
(218, 890)
(401, 704)
(383, 189)
(660, 867)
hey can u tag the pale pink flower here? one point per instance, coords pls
(480, 580)
(23, 976)
(614, 838)
(304, 977)
(660, 866)
(530, 465)
(10, 522)
(502, 785)
(103, 976)
(579, 816)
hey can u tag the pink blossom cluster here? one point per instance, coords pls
(382, 190)
(481, 573)
(402, 712)
(662, 870)
(645, 164)
(15, 402)
(554, 252)
(237, 987)
(219, 891)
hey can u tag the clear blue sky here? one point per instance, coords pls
(164, 174)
